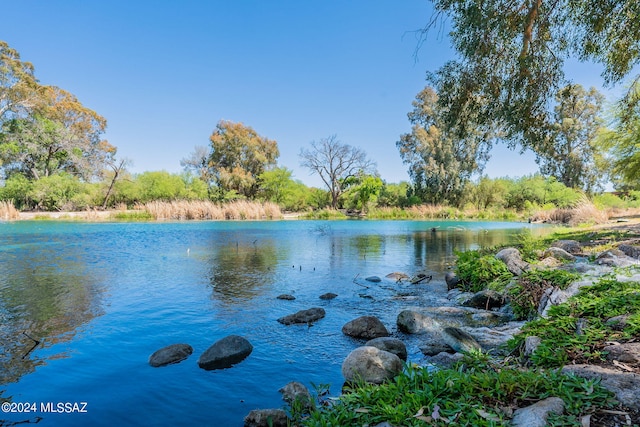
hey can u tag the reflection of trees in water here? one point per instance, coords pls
(47, 292)
(368, 245)
(240, 270)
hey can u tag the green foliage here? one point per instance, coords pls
(394, 195)
(477, 271)
(362, 192)
(160, 185)
(18, 189)
(55, 192)
(526, 293)
(594, 305)
(472, 397)
(530, 191)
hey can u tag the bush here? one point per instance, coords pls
(477, 272)
(17, 188)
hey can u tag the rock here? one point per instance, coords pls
(536, 415)
(446, 360)
(625, 385)
(266, 418)
(296, 393)
(531, 344)
(225, 353)
(549, 262)
(371, 364)
(397, 276)
(366, 327)
(419, 320)
(328, 295)
(485, 299)
(451, 280)
(303, 316)
(630, 250)
(571, 246)
(413, 322)
(459, 340)
(628, 353)
(618, 323)
(170, 354)
(615, 258)
(392, 345)
(559, 253)
(374, 279)
(555, 296)
(286, 297)
(512, 259)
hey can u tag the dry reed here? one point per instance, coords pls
(583, 212)
(207, 210)
(8, 211)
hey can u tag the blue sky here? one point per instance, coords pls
(163, 73)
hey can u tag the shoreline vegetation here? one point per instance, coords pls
(584, 212)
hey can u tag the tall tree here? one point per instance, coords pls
(623, 140)
(335, 162)
(440, 163)
(570, 153)
(238, 156)
(18, 86)
(512, 54)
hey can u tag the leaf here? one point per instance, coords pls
(362, 410)
(425, 419)
(586, 421)
(420, 412)
(487, 416)
(436, 412)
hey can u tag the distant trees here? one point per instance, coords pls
(570, 152)
(440, 162)
(45, 130)
(335, 162)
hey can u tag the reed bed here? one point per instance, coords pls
(207, 210)
(584, 212)
(8, 211)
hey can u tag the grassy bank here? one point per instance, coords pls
(484, 390)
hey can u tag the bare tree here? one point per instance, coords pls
(335, 162)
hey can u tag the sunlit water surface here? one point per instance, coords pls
(101, 297)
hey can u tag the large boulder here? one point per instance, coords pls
(628, 353)
(418, 320)
(392, 345)
(485, 299)
(451, 280)
(625, 385)
(225, 353)
(371, 365)
(266, 418)
(536, 415)
(513, 260)
(366, 327)
(630, 250)
(559, 253)
(303, 316)
(170, 354)
(571, 246)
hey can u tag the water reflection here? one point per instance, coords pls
(241, 271)
(46, 293)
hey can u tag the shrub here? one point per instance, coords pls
(526, 293)
(477, 272)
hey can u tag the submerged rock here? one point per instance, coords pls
(451, 280)
(328, 296)
(303, 316)
(374, 279)
(296, 393)
(170, 354)
(397, 276)
(485, 299)
(286, 297)
(371, 364)
(266, 418)
(366, 327)
(225, 353)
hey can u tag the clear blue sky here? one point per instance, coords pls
(163, 73)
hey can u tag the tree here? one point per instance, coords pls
(571, 154)
(18, 85)
(440, 163)
(238, 156)
(512, 55)
(335, 163)
(198, 163)
(623, 140)
(363, 190)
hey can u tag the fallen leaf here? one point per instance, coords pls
(586, 421)
(362, 410)
(487, 416)
(420, 412)
(425, 419)
(436, 412)
(623, 366)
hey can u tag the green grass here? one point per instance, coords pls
(526, 292)
(594, 305)
(483, 395)
(133, 216)
(477, 271)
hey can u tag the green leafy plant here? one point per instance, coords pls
(478, 271)
(526, 293)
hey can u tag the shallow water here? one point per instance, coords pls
(101, 297)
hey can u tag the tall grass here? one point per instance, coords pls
(207, 210)
(8, 211)
(584, 212)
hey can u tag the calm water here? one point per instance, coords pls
(101, 297)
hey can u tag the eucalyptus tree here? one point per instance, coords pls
(441, 163)
(512, 55)
(570, 153)
(335, 163)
